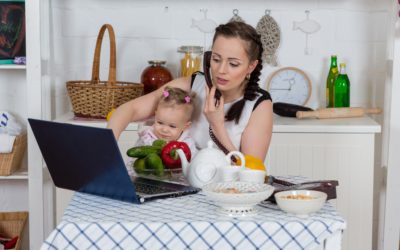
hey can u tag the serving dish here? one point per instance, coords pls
(237, 199)
(300, 202)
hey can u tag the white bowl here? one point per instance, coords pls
(238, 198)
(300, 202)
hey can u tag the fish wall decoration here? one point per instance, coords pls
(205, 25)
(307, 26)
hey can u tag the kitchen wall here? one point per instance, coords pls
(354, 30)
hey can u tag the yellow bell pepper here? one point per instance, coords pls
(108, 117)
(253, 162)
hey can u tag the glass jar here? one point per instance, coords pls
(155, 75)
(191, 59)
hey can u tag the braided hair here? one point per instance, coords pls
(254, 51)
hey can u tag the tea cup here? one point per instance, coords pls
(249, 175)
(229, 173)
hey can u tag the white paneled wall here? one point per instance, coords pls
(354, 30)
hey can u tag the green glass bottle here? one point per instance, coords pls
(342, 88)
(330, 82)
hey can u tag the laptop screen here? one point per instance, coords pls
(84, 159)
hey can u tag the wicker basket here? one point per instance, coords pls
(95, 98)
(11, 162)
(12, 224)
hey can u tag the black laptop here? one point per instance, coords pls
(88, 160)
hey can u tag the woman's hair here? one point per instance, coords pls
(176, 96)
(254, 51)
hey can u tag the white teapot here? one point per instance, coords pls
(205, 166)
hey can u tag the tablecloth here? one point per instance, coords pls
(187, 222)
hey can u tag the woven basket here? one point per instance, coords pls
(95, 98)
(11, 162)
(12, 224)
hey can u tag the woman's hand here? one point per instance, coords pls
(214, 109)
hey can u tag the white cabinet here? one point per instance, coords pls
(338, 149)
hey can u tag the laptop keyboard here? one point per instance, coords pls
(150, 189)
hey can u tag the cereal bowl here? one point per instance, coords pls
(300, 202)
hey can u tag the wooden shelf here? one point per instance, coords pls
(21, 174)
(12, 66)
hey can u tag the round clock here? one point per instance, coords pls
(289, 85)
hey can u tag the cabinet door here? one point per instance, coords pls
(348, 158)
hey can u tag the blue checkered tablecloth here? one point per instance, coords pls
(188, 222)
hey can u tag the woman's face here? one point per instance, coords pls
(170, 122)
(230, 64)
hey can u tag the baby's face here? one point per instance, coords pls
(170, 122)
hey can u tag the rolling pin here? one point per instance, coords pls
(326, 113)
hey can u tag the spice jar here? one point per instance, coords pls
(155, 75)
(191, 59)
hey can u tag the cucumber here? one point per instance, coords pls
(154, 162)
(159, 143)
(142, 151)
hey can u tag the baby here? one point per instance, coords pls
(171, 120)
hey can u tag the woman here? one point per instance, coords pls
(242, 118)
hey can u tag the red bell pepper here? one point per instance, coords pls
(170, 157)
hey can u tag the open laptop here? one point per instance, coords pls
(88, 160)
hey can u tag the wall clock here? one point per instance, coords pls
(289, 85)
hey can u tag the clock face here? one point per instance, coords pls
(289, 85)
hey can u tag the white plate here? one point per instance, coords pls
(238, 199)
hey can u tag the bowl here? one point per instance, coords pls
(300, 202)
(237, 199)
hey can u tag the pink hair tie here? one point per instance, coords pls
(165, 93)
(187, 99)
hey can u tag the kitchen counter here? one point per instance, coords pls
(100, 123)
(338, 125)
(281, 124)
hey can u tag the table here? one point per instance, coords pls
(188, 222)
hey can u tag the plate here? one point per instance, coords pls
(238, 199)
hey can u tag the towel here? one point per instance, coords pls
(8, 124)
(6, 143)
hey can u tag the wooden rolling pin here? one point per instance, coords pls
(326, 113)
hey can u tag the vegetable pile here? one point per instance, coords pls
(160, 155)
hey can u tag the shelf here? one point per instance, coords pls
(12, 66)
(21, 174)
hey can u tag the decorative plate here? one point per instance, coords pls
(238, 199)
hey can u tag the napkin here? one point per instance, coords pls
(8, 124)
(6, 143)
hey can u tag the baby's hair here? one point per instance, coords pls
(176, 96)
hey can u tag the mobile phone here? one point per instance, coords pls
(207, 74)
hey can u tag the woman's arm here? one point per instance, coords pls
(257, 135)
(142, 107)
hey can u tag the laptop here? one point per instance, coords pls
(88, 160)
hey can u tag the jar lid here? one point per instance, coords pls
(157, 62)
(191, 49)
